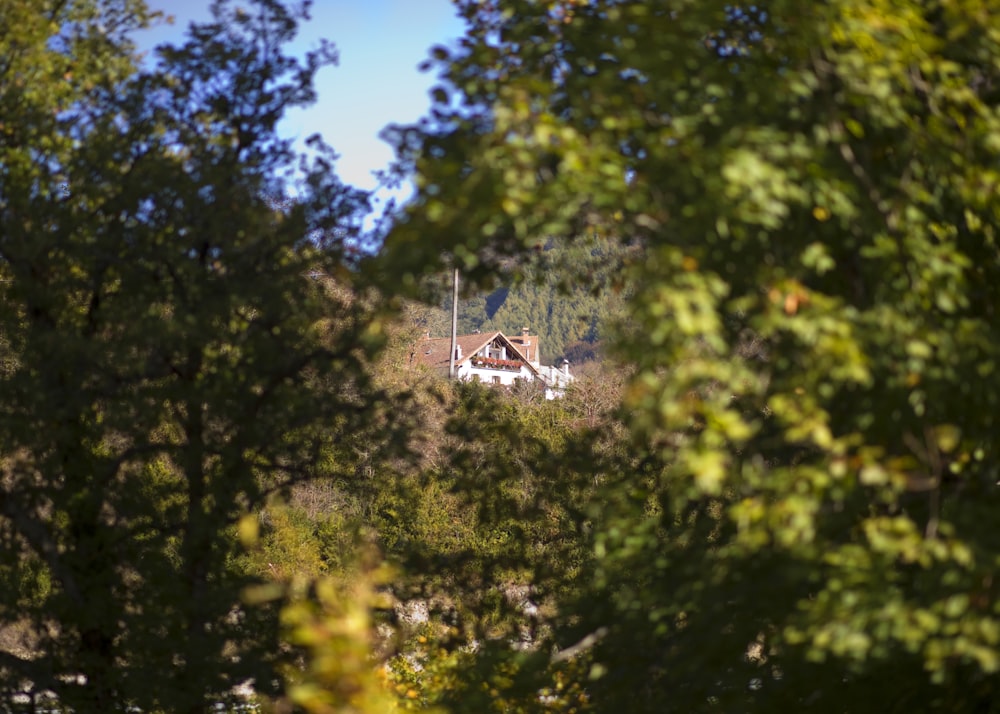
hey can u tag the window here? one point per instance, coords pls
(496, 380)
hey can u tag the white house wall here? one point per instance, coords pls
(468, 372)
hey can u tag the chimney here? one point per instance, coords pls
(566, 367)
(524, 332)
(458, 352)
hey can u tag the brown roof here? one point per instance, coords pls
(435, 352)
(530, 350)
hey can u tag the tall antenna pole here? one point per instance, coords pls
(454, 324)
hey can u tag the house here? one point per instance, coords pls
(492, 358)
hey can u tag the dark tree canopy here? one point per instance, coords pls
(167, 360)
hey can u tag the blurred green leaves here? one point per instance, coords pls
(813, 334)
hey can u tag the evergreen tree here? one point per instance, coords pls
(565, 295)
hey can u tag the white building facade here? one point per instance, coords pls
(493, 358)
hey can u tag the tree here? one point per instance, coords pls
(170, 357)
(805, 517)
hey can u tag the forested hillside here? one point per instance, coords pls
(571, 296)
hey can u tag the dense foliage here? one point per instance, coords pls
(813, 327)
(219, 466)
(167, 362)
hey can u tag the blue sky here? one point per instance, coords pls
(377, 83)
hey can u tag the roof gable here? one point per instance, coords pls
(435, 352)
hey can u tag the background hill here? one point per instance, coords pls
(567, 297)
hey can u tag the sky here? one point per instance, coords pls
(376, 83)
